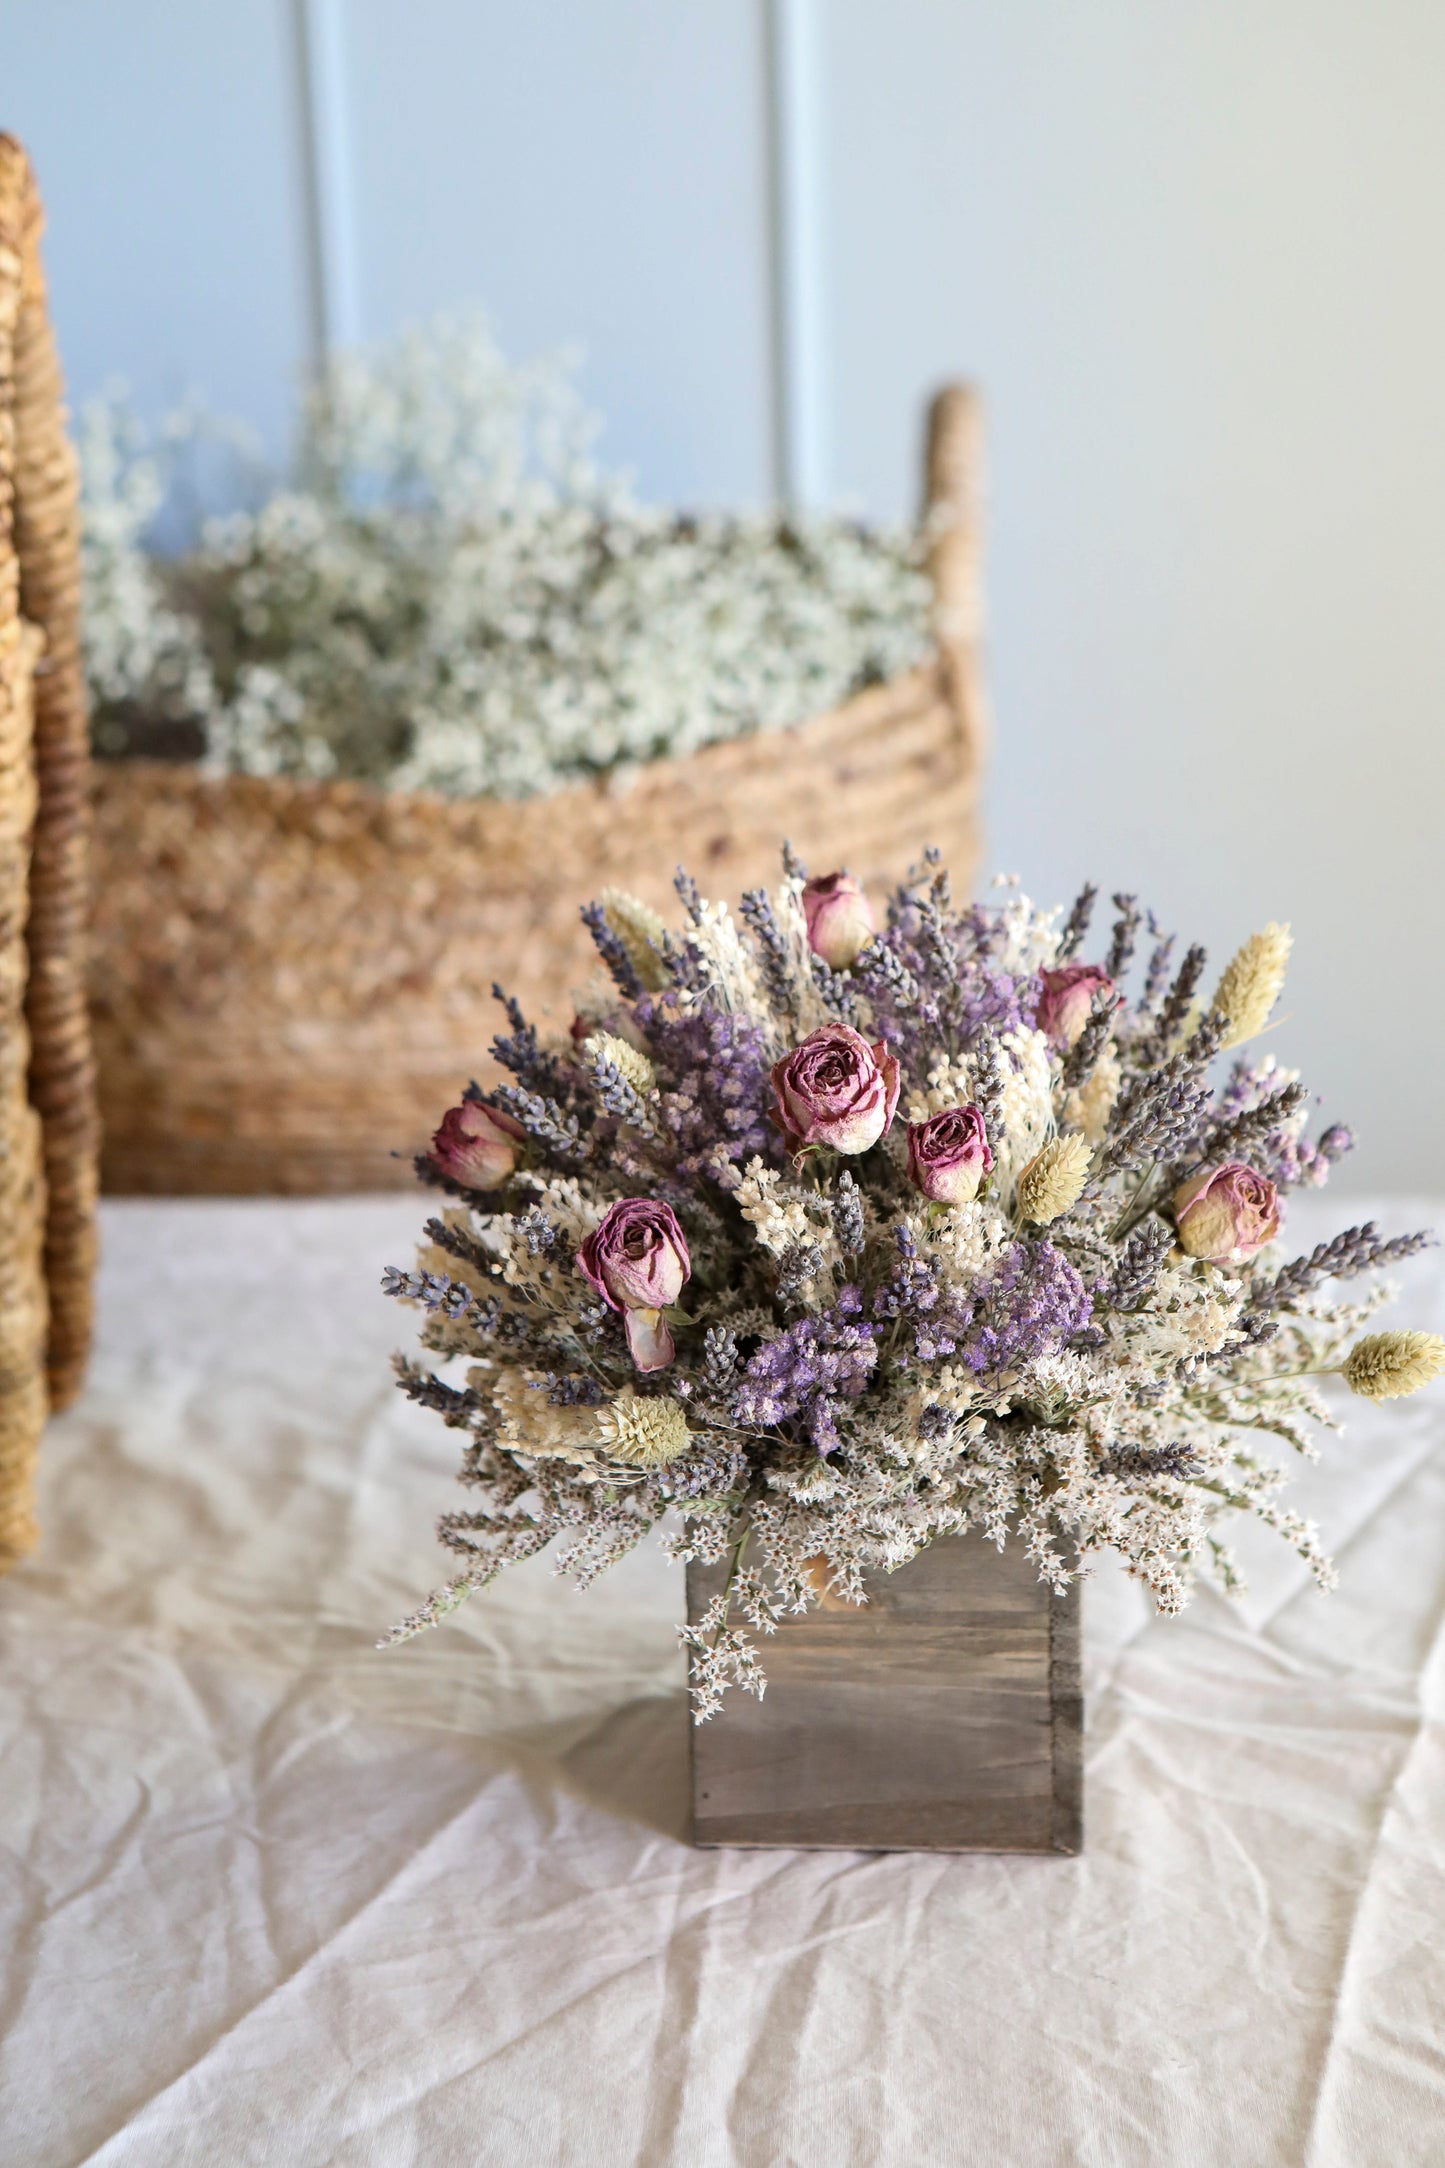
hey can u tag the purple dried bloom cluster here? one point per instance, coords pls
(1028, 1309)
(712, 1067)
(946, 1228)
(804, 1375)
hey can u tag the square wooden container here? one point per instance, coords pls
(944, 1715)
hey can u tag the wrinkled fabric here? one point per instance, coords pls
(268, 1895)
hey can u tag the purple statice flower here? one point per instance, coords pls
(712, 1068)
(805, 1371)
(1029, 1308)
(996, 999)
(1295, 1162)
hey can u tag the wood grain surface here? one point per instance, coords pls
(944, 1715)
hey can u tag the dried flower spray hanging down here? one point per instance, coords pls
(818, 1241)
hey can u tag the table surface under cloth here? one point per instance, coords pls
(267, 1895)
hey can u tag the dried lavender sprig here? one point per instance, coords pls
(1156, 977)
(433, 1290)
(613, 951)
(1180, 999)
(618, 1094)
(715, 1471)
(837, 990)
(988, 1083)
(457, 1405)
(719, 1361)
(882, 971)
(793, 865)
(1139, 1264)
(1160, 1112)
(537, 1231)
(1358, 1249)
(846, 1208)
(932, 936)
(458, 1243)
(1076, 925)
(1126, 928)
(548, 1122)
(687, 894)
(1235, 1139)
(757, 908)
(799, 1263)
(1084, 1055)
(519, 1051)
(571, 1389)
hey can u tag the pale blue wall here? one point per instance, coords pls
(1192, 249)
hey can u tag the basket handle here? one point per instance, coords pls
(953, 522)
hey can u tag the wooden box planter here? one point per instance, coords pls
(47, 1099)
(291, 981)
(944, 1715)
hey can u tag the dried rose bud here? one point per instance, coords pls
(476, 1145)
(1067, 998)
(949, 1155)
(840, 919)
(835, 1089)
(1228, 1212)
(637, 1259)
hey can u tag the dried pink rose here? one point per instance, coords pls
(840, 918)
(476, 1145)
(637, 1259)
(1228, 1212)
(835, 1089)
(949, 1155)
(1067, 998)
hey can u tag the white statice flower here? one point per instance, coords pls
(1028, 937)
(963, 1240)
(776, 1209)
(1028, 1106)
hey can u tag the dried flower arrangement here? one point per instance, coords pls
(450, 594)
(697, 1266)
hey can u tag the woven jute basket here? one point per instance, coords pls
(48, 1129)
(291, 981)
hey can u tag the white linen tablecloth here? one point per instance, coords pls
(267, 1895)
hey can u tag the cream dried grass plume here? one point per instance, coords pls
(646, 1433)
(1251, 983)
(1054, 1178)
(1387, 1365)
(631, 1064)
(641, 930)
